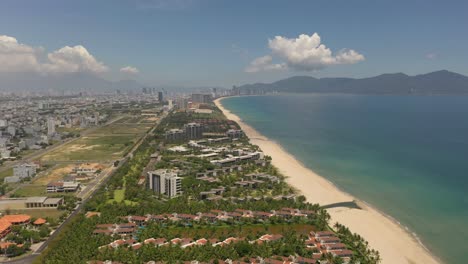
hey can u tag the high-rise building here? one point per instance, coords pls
(160, 97)
(173, 186)
(234, 133)
(202, 98)
(193, 130)
(165, 182)
(182, 103)
(50, 126)
(175, 134)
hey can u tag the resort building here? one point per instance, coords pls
(234, 133)
(193, 131)
(175, 135)
(165, 182)
(7, 221)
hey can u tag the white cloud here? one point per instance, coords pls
(15, 57)
(264, 64)
(307, 53)
(73, 59)
(431, 56)
(18, 57)
(129, 70)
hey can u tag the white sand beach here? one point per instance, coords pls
(394, 243)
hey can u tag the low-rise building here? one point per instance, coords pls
(62, 186)
(30, 203)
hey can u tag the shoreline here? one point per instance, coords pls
(395, 242)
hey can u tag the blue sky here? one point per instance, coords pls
(213, 42)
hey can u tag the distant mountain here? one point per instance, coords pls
(439, 82)
(75, 82)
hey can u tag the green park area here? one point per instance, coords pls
(6, 173)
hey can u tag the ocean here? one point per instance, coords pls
(405, 155)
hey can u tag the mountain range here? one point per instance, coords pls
(439, 82)
(76, 82)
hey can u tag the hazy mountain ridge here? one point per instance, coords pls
(439, 82)
(76, 82)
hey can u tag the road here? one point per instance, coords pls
(87, 193)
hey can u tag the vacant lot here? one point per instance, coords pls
(30, 190)
(122, 129)
(92, 148)
(60, 171)
(105, 143)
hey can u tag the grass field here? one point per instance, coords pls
(39, 213)
(31, 190)
(69, 129)
(122, 129)
(105, 143)
(6, 173)
(119, 196)
(92, 148)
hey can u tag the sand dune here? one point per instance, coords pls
(394, 243)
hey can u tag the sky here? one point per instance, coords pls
(224, 43)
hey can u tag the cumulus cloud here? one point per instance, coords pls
(307, 53)
(18, 57)
(264, 64)
(129, 70)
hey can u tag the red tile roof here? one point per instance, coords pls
(4, 226)
(16, 219)
(40, 221)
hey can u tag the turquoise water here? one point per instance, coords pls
(406, 155)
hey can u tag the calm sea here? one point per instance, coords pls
(406, 155)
